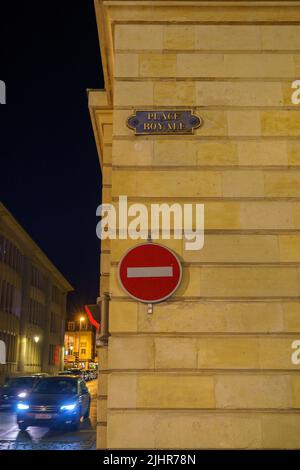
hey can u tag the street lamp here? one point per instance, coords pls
(81, 319)
(36, 339)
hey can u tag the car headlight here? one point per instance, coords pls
(22, 406)
(70, 407)
(22, 395)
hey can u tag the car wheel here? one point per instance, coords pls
(22, 426)
(75, 426)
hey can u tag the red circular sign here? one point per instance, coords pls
(150, 272)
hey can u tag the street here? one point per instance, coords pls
(41, 438)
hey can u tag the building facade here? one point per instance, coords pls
(79, 345)
(32, 303)
(213, 366)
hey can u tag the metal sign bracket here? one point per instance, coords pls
(150, 309)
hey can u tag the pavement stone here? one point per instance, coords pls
(89, 444)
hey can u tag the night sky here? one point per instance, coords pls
(49, 175)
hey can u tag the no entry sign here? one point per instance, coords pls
(149, 272)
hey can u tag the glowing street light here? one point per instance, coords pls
(81, 319)
(36, 339)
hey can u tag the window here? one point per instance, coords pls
(54, 385)
(82, 352)
(54, 323)
(36, 313)
(33, 353)
(51, 355)
(7, 292)
(71, 326)
(10, 254)
(56, 295)
(54, 354)
(11, 343)
(37, 278)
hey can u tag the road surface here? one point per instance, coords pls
(35, 438)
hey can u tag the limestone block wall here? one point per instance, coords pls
(211, 367)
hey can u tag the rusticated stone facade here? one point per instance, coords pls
(211, 367)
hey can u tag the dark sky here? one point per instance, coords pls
(49, 174)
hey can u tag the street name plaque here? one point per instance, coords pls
(168, 122)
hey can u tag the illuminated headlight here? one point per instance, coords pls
(22, 395)
(22, 406)
(68, 407)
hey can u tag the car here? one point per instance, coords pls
(55, 401)
(95, 372)
(80, 372)
(89, 375)
(92, 374)
(86, 375)
(65, 372)
(41, 374)
(16, 388)
(75, 371)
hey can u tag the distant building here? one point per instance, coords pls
(79, 344)
(33, 297)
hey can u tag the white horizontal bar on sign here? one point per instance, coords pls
(150, 271)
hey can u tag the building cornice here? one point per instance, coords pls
(109, 13)
(101, 114)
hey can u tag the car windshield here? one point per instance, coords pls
(26, 382)
(56, 385)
